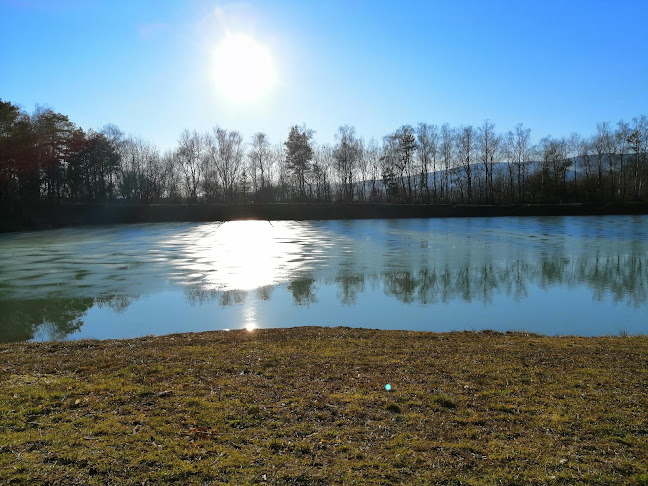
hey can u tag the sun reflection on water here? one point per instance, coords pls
(241, 255)
(249, 316)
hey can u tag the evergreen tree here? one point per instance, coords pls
(299, 154)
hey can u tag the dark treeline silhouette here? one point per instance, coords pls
(45, 156)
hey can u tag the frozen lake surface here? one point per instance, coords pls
(549, 275)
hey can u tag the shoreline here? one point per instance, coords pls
(311, 405)
(49, 215)
(295, 329)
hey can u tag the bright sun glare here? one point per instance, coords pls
(244, 70)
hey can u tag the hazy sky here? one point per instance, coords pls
(148, 66)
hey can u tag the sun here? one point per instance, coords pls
(244, 69)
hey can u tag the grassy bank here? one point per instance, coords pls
(48, 214)
(309, 406)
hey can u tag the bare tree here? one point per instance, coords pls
(621, 136)
(488, 143)
(347, 153)
(372, 160)
(116, 140)
(601, 143)
(261, 160)
(522, 150)
(321, 171)
(586, 161)
(574, 143)
(427, 149)
(447, 145)
(607, 135)
(226, 152)
(153, 171)
(171, 178)
(554, 164)
(364, 169)
(508, 151)
(465, 152)
(282, 174)
(638, 142)
(191, 161)
(545, 149)
(211, 184)
(136, 158)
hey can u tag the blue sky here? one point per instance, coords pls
(556, 66)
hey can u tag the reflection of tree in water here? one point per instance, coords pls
(198, 296)
(264, 293)
(21, 320)
(513, 280)
(428, 281)
(464, 283)
(350, 286)
(302, 290)
(117, 303)
(488, 283)
(623, 277)
(401, 284)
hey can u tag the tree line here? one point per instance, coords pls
(44, 155)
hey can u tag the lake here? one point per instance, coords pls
(549, 275)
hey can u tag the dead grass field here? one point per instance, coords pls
(309, 406)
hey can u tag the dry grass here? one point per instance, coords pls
(309, 406)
